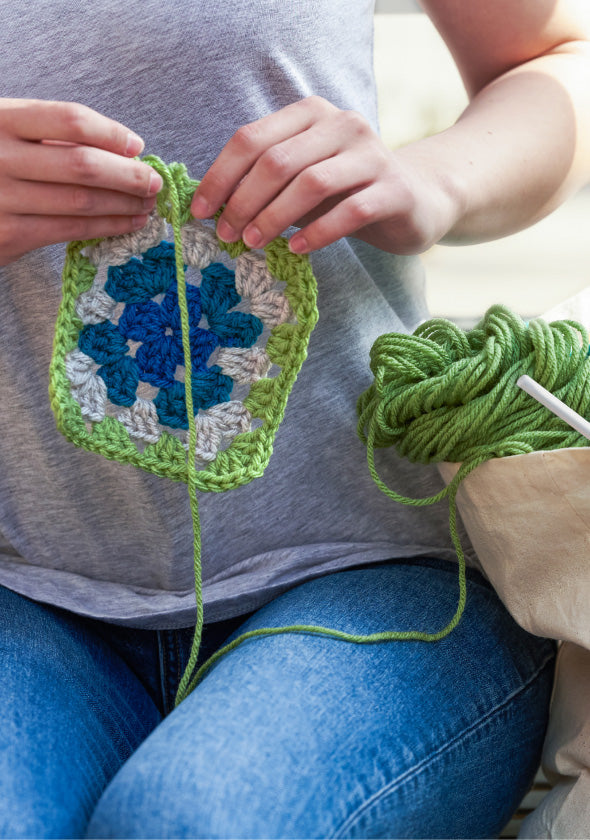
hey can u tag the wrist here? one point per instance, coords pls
(443, 184)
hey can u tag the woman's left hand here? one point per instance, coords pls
(325, 170)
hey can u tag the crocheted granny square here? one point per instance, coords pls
(119, 367)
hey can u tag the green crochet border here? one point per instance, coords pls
(249, 453)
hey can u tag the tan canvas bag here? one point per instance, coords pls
(565, 811)
(528, 517)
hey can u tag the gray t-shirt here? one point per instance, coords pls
(112, 541)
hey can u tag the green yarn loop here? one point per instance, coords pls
(445, 395)
(190, 680)
(442, 394)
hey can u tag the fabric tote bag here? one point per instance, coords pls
(528, 517)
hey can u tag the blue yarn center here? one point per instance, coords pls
(156, 328)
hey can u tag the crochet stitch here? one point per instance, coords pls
(118, 371)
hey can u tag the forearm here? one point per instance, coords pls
(519, 149)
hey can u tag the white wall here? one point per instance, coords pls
(392, 6)
(420, 90)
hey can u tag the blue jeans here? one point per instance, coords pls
(287, 736)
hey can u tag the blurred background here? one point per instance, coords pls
(420, 92)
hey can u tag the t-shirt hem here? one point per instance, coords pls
(159, 609)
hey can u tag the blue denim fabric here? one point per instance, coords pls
(288, 736)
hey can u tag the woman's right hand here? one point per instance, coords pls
(66, 172)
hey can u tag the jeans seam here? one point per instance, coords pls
(178, 655)
(427, 761)
(163, 671)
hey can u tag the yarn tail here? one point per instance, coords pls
(173, 198)
(185, 687)
(188, 684)
(190, 679)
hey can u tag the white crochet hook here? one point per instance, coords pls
(546, 398)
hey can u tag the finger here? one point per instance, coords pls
(271, 175)
(308, 194)
(365, 207)
(25, 198)
(70, 122)
(25, 233)
(245, 147)
(82, 165)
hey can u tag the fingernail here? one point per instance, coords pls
(135, 145)
(149, 203)
(298, 244)
(200, 207)
(226, 232)
(252, 237)
(138, 222)
(156, 183)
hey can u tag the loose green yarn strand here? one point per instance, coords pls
(172, 197)
(371, 638)
(338, 635)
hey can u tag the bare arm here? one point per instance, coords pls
(523, 143)
(520, 148)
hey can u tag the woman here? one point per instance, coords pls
(291, 736)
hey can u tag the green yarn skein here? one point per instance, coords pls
(443, 394)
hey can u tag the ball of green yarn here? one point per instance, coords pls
(443, 394)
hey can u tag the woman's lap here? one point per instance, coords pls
(304, 736)
(71, 715)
